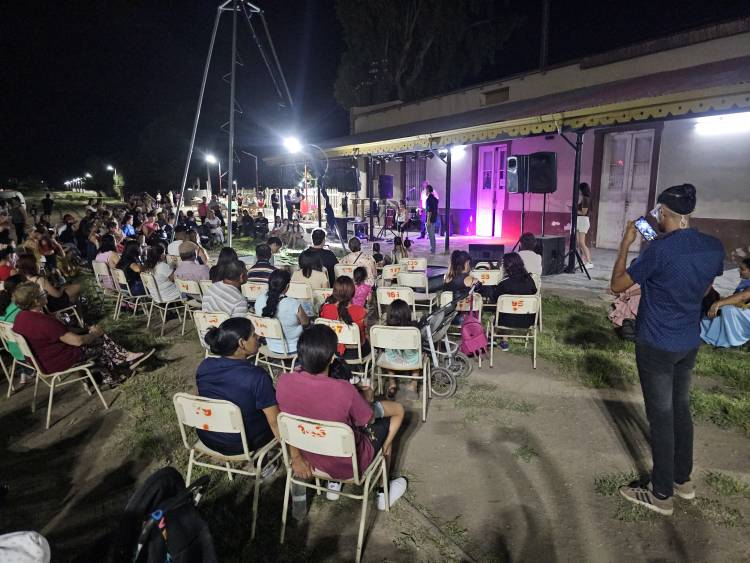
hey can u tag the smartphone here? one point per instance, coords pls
(646, 230)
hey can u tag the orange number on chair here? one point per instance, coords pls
(316, 432)
(393, 295)
(516, 304)
(202, 411)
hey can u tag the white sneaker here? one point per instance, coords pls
(334, 488)
(589, 266)
(396, 489)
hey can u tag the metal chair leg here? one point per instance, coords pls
(49, 403)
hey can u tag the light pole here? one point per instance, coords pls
(293, 145)
(255, 157)
(211, 159)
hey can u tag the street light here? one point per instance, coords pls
(294, 146)
(87, 174)
(211, 159)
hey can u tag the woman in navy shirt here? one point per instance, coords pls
(232, 377)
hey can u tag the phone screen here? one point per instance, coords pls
(646, 230)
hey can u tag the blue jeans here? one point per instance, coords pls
(665, 381)
(431, 234)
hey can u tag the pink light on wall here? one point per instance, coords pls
(470, 225)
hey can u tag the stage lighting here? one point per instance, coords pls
(292, 144)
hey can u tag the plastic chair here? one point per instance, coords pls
(251, 290)
(400, 338)
(173, 260)
(319, 297)
(101, 273)
(271, 328)
(488, 278)
(51, 380)
(214, 415)
(333, 439)
(418, 281)
(204, 321)
(344, 270)
(389, 274)
(205, 285)
(152, 289)
(126, 295)
(190, 290)
(514, 305)
(414, 264)
(538, 282)
(349, 336)
(6, 338)
(301, 291)
(387, 295)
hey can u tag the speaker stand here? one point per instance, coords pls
(523, 220)
(581, 265)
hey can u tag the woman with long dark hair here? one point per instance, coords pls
(311, 271)
(274, 304)
(57, 297)
(156, 264)
(459, 279)
(227, 255)
(339, 307)
(517, 282)
(130, 263)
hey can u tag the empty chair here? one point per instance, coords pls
(319, 297)
(418, 281)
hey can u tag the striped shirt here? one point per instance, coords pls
(224, 298)
(260, 271)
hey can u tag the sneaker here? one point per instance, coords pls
(685, 490)
(334, 488)
(504, 345)
(589, 266)
(644, 497)
(396, 489)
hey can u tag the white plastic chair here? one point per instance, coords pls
(301, 291)
(538, 282)
(205, 285)
(51, 380)
(489, 278)
(319, 297)
(387, 295)
(414, 264)
(126, 295)
(251, 290)
(390, 274)
(173, 260)
(418, 280)
(214, 415)
(7, 337)
(271, 328)
(400, 338)
(344, 270)
(190, 290)
(101, 273)
(204, 321)
(349, 336)
(514, 305)
(162, 305)
(332, 439)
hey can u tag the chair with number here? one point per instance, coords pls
(344, 270)
(538, 283)
(488, 278)
(271, 328)
(126, 295)
(414, 264)
(420, 283)
(403, 338)
(173, 260)
(331, 439)
(215, 415)
(205, 285)
(204, 321)
(514, 305)
(387, 295)
(304, 293)
(389, 275)
(190, 291)
(162, 305)
(319, 297)
(251, 290)
(349, 336)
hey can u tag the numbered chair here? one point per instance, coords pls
(389, 275)
(344, 270)
(319, 297)
(387, 295)
(51, 380)
(204, 321)
(303, 292)
(126, 295)
(251, 290)
(173, 260)
(400, 338)
(162, 305)
(102, 278)
(333, 439)
(514, 305)
(271, 328)
(205, 285)
(488, 278)
(414, 264)
(420, 283)
(214, 415)
(190, 290)
(538, 282)
(349, 336)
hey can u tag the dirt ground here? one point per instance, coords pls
(516, 467)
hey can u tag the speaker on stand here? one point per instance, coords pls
(534, 173)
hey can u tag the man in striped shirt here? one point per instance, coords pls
(226, 296)
(262, 269)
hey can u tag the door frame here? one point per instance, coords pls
(596, 172)
(475, 173)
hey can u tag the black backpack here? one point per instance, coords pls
(161, 524)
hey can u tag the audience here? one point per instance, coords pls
(358, 258)
(517, 282)
(274, 304)
(400, 314)
(377, 256)
(189, 269)
(311, 393)
(156, 264)
(7, 262)
(362, 289)
(107, 254)
(8, 312)
(339, 307)
(327, 258)
(130, 264)
(58, 296)
(311, 272)
(226, 296)
(458, 279)
(399, 251)
(728, 319)
(531, 260)
(226, 256)
(262, 269)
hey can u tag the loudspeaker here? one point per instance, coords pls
(535, 173)
(552, 250)
(342, 223)
(486, 253)
(542, 172)
(385, 186)
(342, 179)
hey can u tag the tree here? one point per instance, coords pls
(408, 49)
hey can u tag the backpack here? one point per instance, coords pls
(473, 338)
(161, 523)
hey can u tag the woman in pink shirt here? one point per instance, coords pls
(362, 290)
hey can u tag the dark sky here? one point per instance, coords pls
(85, 78)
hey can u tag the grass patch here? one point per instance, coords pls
(525, 453)
(726, 485)
(722, 408)
(473, 399)
(712, 510)
(608, 483)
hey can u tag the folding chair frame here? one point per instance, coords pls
(528, 334)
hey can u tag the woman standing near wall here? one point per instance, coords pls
(583, 223)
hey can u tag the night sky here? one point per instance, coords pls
(84, 79)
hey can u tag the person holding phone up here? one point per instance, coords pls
(674, 272)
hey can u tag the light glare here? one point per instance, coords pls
(211, 159)
(292, 144)
(723, 124)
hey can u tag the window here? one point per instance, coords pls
(416, 173)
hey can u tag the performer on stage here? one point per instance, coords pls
(423, 208)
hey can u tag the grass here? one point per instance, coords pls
(525, 453)
(579, 342)
(726, 485)
(479, 400)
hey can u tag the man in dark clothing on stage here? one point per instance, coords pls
(431, 215)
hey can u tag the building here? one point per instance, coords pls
(663, 112)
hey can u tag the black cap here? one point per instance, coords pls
(680, 199)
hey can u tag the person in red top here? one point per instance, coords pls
(57, 347)
(203, 210)
(312, 394)
(150, 225)
(6, 263)
(339, 307)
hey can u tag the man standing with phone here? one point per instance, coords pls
(674, 272)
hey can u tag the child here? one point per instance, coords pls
(399, 314)
(362, 290)
(398, 250)
(377, 256)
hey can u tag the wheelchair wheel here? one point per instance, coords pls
(460, 365)
(442, 383)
